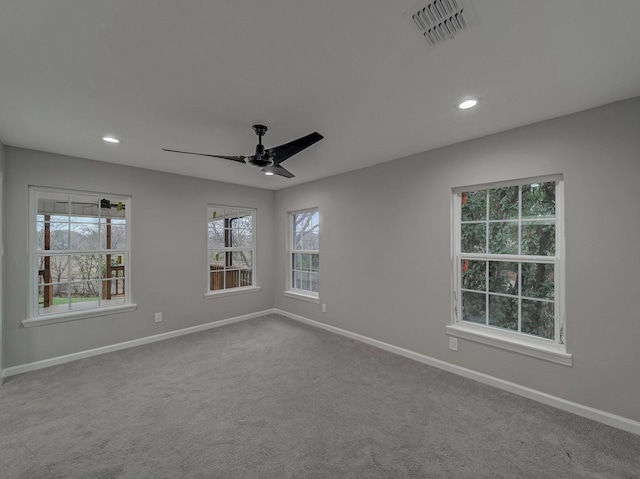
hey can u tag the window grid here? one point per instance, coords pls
(488, 256)
(83, 266)
(304, 254)
(231, 247)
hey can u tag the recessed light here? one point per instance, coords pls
(470, 103)
(110, 139)
(268, 173)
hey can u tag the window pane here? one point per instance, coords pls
(53, 269)
(242, 232)
(473, 307)
(503, 312)
(301, 280)
(242, 259)
(539, 200)
(115, 236)
(305, 231)
(503, 238)
(473, 238)
(39, 236)
(53, 298)
(112, 288)
(503, 277)
(538, 280)
(474, 274)
(538, 318)
(305, 262)
(503, 203)
(85, 236)
(58, 236)
(84, 295)
(474, 206)
(216, 233)
(538, 239)
(86, 267)
(297, 261)
(315, 262)
(314, 282)
(216, 270)
(217, 258)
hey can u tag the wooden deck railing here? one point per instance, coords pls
(232, 277)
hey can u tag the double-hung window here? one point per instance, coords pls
(231, 248)
(304, 253)
(508, 245)
(79, 255)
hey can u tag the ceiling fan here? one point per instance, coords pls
(268, 159)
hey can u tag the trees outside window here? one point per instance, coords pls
(304, 253)
(508, 258)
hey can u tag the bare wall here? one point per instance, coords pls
(169, 253)
(386, 260)
(2, 188)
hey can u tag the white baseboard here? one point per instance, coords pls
(23, 368)
(563, 404)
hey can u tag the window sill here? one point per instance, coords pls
(511, 342)
(72, 316)
(302, 296)
(231, 292)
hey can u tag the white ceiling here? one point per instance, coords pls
(196, 74)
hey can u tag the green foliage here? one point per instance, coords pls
(532, 209)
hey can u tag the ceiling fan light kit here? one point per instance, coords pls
(268, 159)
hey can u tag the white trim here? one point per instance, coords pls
(302, 296)
(306, 295)
(231, 292)
(23, 368)
(598, 415)
(72, 316)
(500, 184)
(1, 267)
(548, 351)
(33, 310)
(254, 248)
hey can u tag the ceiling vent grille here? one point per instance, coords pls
(438, 20)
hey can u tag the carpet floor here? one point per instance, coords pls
(273, 398)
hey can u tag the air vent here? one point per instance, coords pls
(439, 20)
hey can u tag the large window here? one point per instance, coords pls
(231, 248)
(304, 253)
(79, 253)
(508, 266)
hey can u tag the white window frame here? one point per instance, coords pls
(36, 319)
(291, 291)
(210, 294)
(547, 349)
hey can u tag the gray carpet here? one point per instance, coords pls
(272, 398)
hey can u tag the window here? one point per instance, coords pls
(508, 267)
(231, 246)
(304, 253)
(79, 255)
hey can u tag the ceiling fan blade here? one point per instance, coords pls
(282, 152)
(278, 170)
(240, 159)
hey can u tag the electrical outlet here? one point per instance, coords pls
(453, 344)
(324, 308)
(158, 317)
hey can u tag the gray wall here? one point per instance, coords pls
(2, 169)
(169, 253)
(385, 251)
